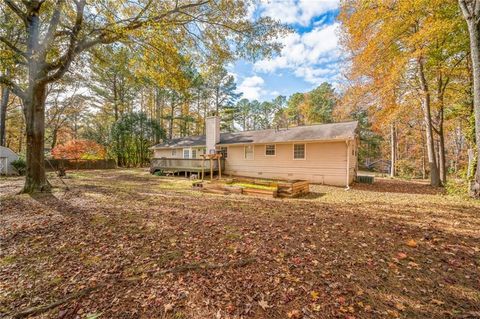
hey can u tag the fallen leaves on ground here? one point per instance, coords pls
(370, 252)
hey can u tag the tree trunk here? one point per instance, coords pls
(393, 141)
(54, 138)
(172, 114)
(471, 13)
(441, 155)
(36, 179)
(475, 54)
(427, 116)
(3, 114)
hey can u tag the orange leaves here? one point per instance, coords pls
(79, 149)
(412, 243)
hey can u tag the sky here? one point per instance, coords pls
(310, 55)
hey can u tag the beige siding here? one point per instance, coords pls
(325, 163)
(159, 153)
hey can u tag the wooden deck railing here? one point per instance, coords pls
(179, 164)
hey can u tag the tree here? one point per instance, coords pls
(243, 113)
(113, 81)
(471, 14)
(132, 135)
(322, 101)
(79, 149)
(63, 108)
(53, 35)
(293, 108)
(395, 60)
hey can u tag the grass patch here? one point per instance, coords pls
(254, 186)
(7, 260)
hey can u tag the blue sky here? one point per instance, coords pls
(310, 55)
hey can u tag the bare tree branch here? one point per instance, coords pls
(13, 87)
(14, 7)
(66, 60)
(105, 37)
(52, 28)
(13, 47)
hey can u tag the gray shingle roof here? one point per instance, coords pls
(320, 132)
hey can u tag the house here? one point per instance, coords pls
(7, 156)
(324, 153)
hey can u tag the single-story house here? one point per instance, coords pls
(324, 153)
(7, 156)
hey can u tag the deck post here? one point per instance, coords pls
(219, 167)
(347, 173)
(211, 169)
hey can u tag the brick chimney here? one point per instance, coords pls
(213, 133)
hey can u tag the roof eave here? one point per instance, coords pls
(349, 138)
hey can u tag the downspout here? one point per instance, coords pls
(347, 173)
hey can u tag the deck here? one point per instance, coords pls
(187, 165)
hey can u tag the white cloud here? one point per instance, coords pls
(312, 56)
(296, 11)
(252, 87)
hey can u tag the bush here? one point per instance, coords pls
(458, 187)
(159, 173)
(406, 169)
(20, 165)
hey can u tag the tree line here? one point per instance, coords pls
(413, 67)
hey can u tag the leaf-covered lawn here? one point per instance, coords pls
(125, 244)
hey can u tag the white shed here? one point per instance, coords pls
(7, 156)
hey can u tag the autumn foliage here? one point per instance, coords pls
(79, 149)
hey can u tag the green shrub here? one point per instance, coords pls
(457, 187)
(159, 173)
(406, 169)
(20, 165)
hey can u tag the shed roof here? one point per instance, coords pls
(319, 132)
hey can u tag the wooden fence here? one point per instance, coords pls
(54, 164)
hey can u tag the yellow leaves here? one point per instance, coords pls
(314, 295)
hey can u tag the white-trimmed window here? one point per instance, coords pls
(224, 151)
(194, 153)
(174, 152)
(186, 153)
(248, 152)
(298, 151)
(270, 150)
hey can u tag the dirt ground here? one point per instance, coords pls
(126, 244)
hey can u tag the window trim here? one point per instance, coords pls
(274, 150)
(245, 152)
(174, 152)
(304, 151)
(189, 153)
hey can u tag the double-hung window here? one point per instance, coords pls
(298, 151)
(186, 153)
(248, 152)
(270, 150)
